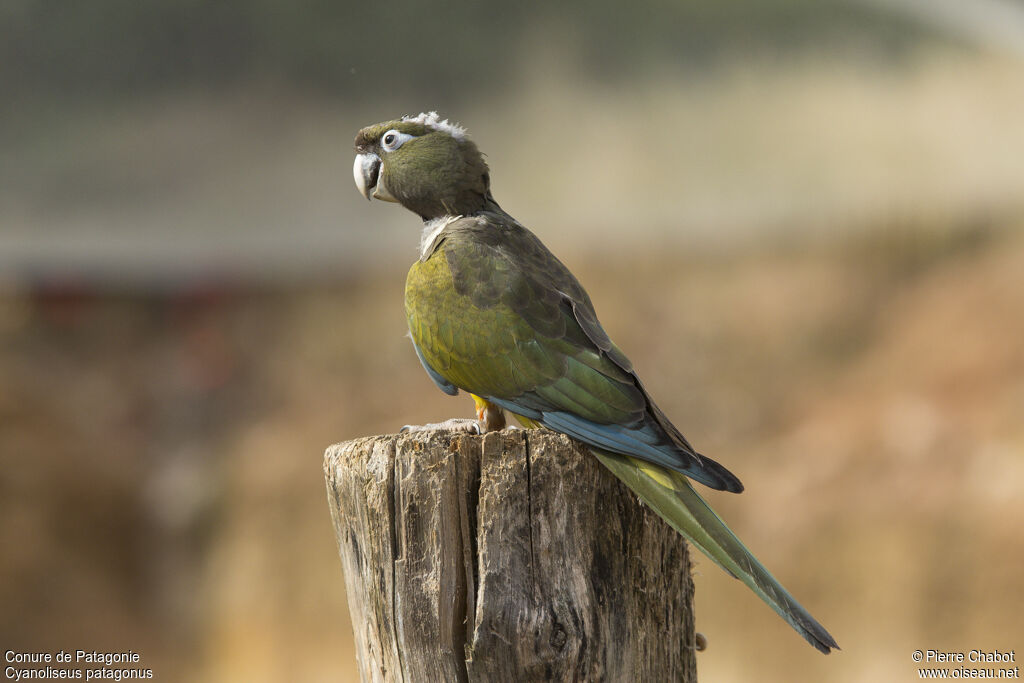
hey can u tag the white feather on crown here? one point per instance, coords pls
(432, 120)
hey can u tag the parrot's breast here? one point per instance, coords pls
(462, 342)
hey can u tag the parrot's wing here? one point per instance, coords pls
(493, 312)
(672, 497)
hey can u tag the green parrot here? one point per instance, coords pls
(492, 312)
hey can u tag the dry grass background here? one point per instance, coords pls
(821, 280)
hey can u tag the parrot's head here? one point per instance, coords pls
(427, 165)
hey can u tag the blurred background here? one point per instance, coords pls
(802, 219)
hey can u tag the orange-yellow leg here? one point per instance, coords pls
(491, 416)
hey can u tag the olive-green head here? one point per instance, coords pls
(427, 165)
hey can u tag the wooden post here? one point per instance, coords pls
(513, 556)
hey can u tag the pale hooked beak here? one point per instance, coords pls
(369, 181)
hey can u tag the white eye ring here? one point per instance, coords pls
(393, 139)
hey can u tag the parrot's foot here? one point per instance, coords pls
(456, 424)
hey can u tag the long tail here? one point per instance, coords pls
(671, 496)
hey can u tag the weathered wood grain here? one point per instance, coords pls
(512, 556)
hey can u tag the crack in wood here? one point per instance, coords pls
(394, 489)
(529, 507)
(464, 599)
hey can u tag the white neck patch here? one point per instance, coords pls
(431, 231)
(433, 121)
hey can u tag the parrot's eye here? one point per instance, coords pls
(393, 139)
